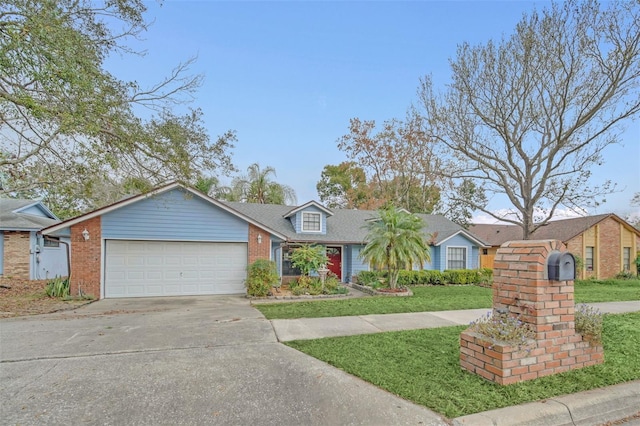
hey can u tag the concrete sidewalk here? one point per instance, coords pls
(316, 328)
(619, 404)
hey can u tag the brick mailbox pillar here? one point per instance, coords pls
(522, 289)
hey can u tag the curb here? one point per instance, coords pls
(592, 407)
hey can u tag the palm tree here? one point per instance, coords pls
(210, 185)
(257, 187)
(395, 241)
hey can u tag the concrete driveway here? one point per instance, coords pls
(179, 360)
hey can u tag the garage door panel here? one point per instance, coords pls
(162, 268)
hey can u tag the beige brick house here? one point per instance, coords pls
(605, 243)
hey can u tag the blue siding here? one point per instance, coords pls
(297, 221)
(427, 265)
(36, 211)
(436, 258)
(51, 262)
(460, 241)
(357, 263)
(475, 257)
(347, 257)
(174, 216)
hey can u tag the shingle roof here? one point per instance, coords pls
(12, 219)
(562, 230)
(345, 226)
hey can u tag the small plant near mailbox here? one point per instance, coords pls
(588, 322)
(262, 275)
(503, 328)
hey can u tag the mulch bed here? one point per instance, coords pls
(400, 291)
(27, 297)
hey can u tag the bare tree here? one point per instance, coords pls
(530, 116)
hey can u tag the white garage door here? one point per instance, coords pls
(168, 268)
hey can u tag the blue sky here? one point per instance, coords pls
(288, 76)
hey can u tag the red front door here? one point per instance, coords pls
(335, 261)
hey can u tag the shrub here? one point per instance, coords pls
(626, 275)
(486, 277)
(58, 287)
(306, 285)
(502, 327)
(331, 283)
(262, 275)
(370, 278)
(431, 277)
(461, 276)
(427, 277)
(313, 285)
(308, 258)
(588, 322)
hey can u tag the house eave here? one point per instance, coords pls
(166, 188)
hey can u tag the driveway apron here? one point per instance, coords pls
(178, 360)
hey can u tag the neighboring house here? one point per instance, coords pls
(177, 241)
(24, 253)
(605, 243)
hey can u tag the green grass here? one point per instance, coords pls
(607, 291)
(438, 298)
(424, 299)
(423, 366)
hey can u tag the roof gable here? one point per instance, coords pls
(315, 204)
(160, 190)
(25, 215)
(563, 230)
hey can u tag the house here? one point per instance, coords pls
(175, 240)
(343, 233)
(24, 253)
(605, 243)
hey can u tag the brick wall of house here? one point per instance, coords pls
(258, 250)
(520, 287)
(575, 246)
(609, 248)
(86, 258)
(16, 254)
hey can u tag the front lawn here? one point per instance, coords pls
(424, 299)
(438, 298)
(588, 291)
(423, 366)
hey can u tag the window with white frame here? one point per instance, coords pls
(311, 222)
(456, 258)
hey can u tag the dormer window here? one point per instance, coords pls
(311, 222)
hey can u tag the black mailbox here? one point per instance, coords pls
(561, 266)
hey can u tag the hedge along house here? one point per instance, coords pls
(606, 244)
(175, 241)
(24, 252)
